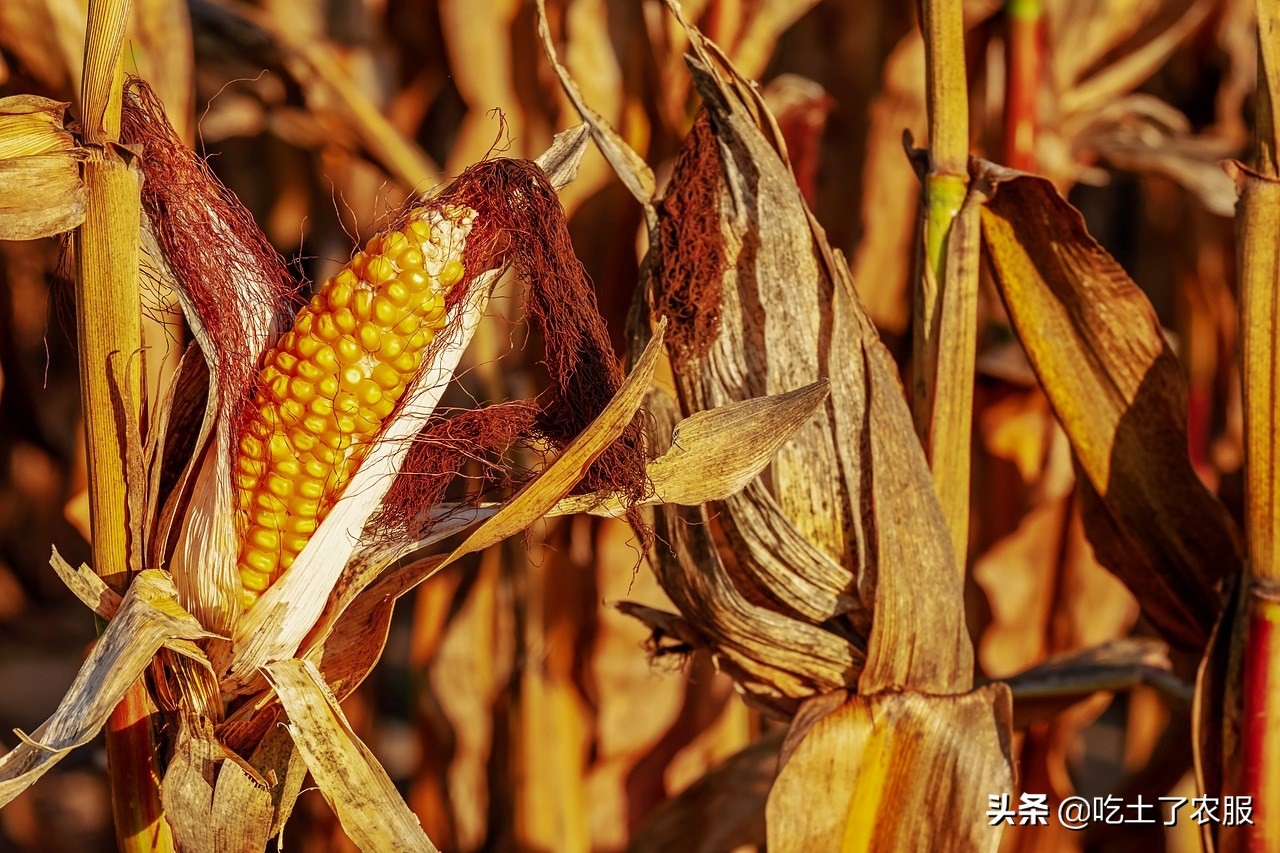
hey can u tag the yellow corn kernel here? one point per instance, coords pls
(326, 359)
(393, 244)
(339, 295)
(370, 337)
(421, 230)
(381, 269)
(392, 346)
(415, 279)
(362, 305)
(349, 352)
(451, 274)
(344, 320)
(264, 538)
(255, 578)
(411, 259)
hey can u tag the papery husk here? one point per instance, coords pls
(854, 461)
(148, 617)
(234, 290)
(346, 772)
(212, 799)
(39, 170)
(895, 771)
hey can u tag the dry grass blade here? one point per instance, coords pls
(149, 616)
(896, 772)
(350, 778)
(1118, 391)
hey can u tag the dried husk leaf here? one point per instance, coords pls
(232, 287)
(896, 771)
(1118, 391)
(715, 453)
(213, 801)
(775, 288)
(39, 170)
(348, 775)
(148, 617)
(278, 761)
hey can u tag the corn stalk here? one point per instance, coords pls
(109, 333)
(945, 304)
(1260, 323)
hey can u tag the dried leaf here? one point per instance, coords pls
(629, 166)
(1118, 392)
(347, 773)
(1061, 681)
(39, 170)
(148, 617)
(715, 453)
(211, 800)
(897, 771)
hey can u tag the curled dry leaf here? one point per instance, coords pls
(212, 799)
(148, 617)
(362, 795)
(896, 770)
(39, 170)
(1047, 689)
(715, 453)
(1119, 393)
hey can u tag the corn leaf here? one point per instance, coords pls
(213, 801)
(148, 617)
(1115, 386)
(715, 453)
(348, 775)
(39, 170)
(896, 771)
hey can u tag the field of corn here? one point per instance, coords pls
(602, 425)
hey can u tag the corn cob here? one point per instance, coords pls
(329, 384)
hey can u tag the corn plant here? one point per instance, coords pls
(253, 541)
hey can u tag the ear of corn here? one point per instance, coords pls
(329, 384)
